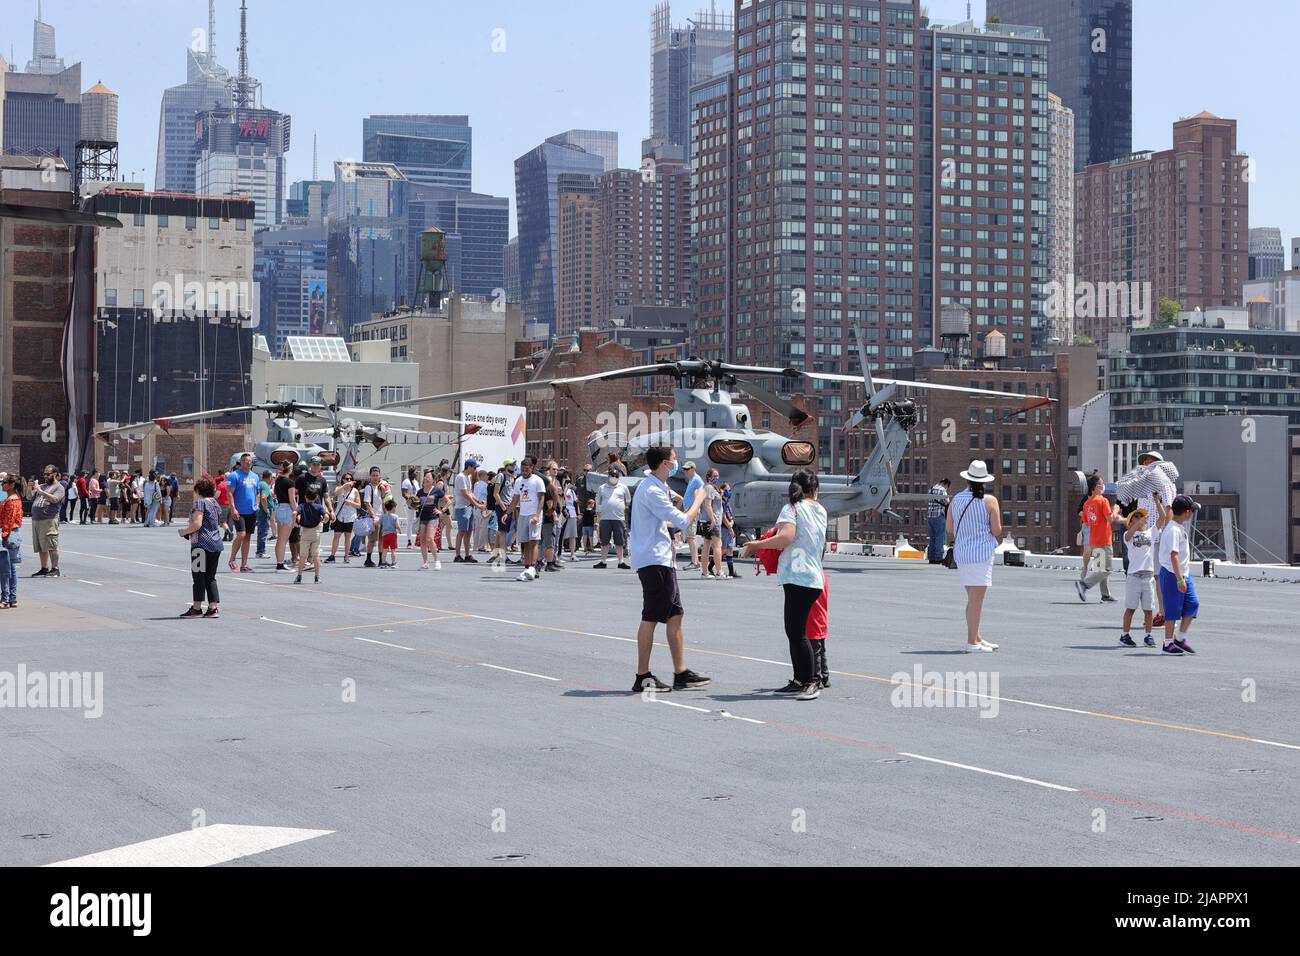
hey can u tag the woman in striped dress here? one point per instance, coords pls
(975, 525)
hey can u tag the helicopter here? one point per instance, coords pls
(708, 426)
(287, 441)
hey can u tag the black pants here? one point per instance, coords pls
(203, 569)
(819, 661)
(799, 602)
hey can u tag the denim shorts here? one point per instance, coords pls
(464, 519)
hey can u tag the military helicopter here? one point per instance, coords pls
(708, 427)
(286, 439)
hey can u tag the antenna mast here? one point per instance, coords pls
(243, 86)
(212, 32)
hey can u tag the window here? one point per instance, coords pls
(241, 225)
(356, 396)
(214, 222)
(137, 298)
(310, 394)
(139, 219)
(394, 393)
(110, 298)
(163, 222)
(191, 223)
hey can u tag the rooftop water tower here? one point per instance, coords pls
(954, 330)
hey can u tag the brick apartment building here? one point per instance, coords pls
(1177, 219)
(623, 240)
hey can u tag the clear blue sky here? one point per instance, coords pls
(586, 63)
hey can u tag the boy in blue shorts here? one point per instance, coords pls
(1181, 604)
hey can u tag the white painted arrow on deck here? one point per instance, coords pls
(202, 846)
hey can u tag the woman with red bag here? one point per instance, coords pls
(800, 539)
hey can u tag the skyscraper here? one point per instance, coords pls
(206, 87)
(1092, 68)
(1060, 217)
(1267, 255)
(42, 114)
(367, 242)
(291, 268)
(537, 177)
(241, 148)
(429, 150)
(40, 110)
(1172, 223)
(681, 57)
(898, 167)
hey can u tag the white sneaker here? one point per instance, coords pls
(988, 644)
(982, 646)
(424, 566)
(437, 565)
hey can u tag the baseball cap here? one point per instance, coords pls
(688, 466)
(471, 463)
(1183, 504)
(1153, 455)
(314, 460)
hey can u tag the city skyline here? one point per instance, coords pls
(595, 80)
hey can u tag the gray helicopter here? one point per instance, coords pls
(707, 426)
(336, 444)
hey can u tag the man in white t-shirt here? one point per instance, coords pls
(611, 510)
(466, 504)
(526, 506)
(1181, 603)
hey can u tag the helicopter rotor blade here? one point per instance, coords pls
(1031, 401)
(795, 415)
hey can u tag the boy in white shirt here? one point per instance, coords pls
(1140, 589)
(1181, 604)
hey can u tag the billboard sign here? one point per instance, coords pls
(501, 433)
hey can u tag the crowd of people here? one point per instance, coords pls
(535, 516)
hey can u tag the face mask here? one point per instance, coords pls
(673, 473)
(613, 479)
(726, 495)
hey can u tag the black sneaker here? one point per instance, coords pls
(211, 614)
(625, 567)
(552, 566)
(1107, 599)
(1149, 641)
(471, 560)
(55, 573)
(599, 566)
(794, 687)
(1127, 640)
(648, 681)
(42, 573)
(280, 567)
(370, 563)
(298, 579)
(192, 612)
(329, 560)
(1183, 645)
(689, 680)
(1171, 647)
(457, 560)
(826, 683)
